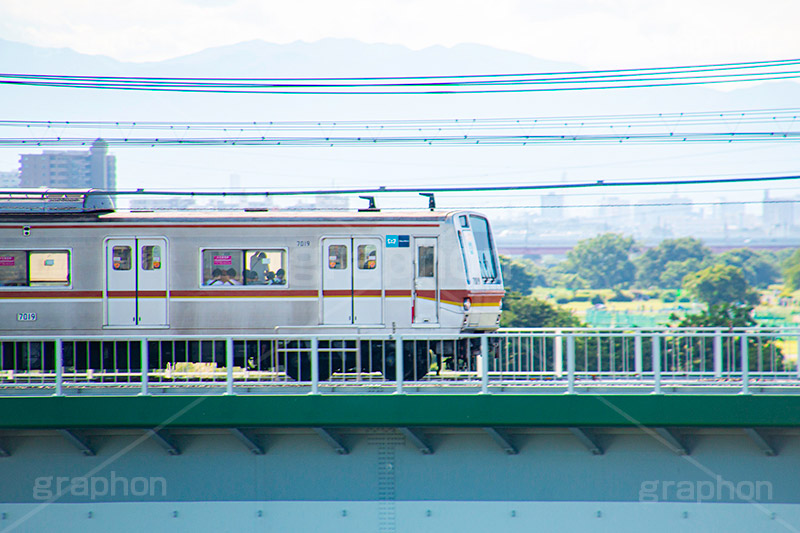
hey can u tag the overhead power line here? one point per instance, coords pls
(413, 190)
(756, 71)
(767, 125)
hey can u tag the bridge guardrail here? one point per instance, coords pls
(570, 360)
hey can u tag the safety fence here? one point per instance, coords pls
(576, 360)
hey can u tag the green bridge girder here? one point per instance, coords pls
(417, 410)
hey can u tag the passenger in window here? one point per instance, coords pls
(251, 278)
(270, 278)
(280, 277)
(231, 272)
(258, 264)
(216, 276)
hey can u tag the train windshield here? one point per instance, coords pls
(485, 247)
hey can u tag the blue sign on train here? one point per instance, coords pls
(398, 241)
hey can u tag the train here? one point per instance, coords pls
(72, 264)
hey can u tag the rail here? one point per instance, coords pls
(572, 361)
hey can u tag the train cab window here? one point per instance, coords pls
(337, 257)
(463, 221)
(122, 257)
(485, 248)
(367, 256)
(425, 261)
(151, 257)
(23, 268)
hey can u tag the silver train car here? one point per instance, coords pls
(247, 272)
(96, 271)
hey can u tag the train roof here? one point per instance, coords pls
(230, 216)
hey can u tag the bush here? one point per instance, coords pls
(620, 296)
(562, 301)
(597, 299)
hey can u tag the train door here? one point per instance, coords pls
(426, 282)
(351, 281)
(136, 282)
(367, 282)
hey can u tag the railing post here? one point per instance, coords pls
(229, 365)
(314, 365)
(59, 347)
(797, 357)
(745, 365)
(718, 353)
(484, 364)
(558, 355)
(398, 364)
(656, 364)
(637, 353)
(145, 353)
(570, 364)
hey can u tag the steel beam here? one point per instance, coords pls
(761, 442)
(587, 439)
(672, 441)
(418, 439)
(162, 437)
(502, 439)
(249, 440)
(77, 441)
(334, 440)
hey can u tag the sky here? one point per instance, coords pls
(592, 33)
(595, 34)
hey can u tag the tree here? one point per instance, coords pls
(667, 264)
(528, 312)
(760, 269)
(720, 284)
(603, 261)
(791, 271)
(521, 274)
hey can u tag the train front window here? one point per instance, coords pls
(486, 254)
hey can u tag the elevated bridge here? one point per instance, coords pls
(567, 430)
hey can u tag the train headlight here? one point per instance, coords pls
(467, 304)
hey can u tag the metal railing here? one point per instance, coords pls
(575, 360)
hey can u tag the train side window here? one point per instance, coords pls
(425, 261)
(24, 268)
(48, 268)
(151, 257)
(122, 257)
(266, 267)
(337, 256)
(222, 267)
(13, 268)
(367, 256)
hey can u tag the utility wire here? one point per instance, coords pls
(409, 190)
(461, 84)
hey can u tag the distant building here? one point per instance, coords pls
(552, 206)
(94, 169)
(778, 214)
(9, 179)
